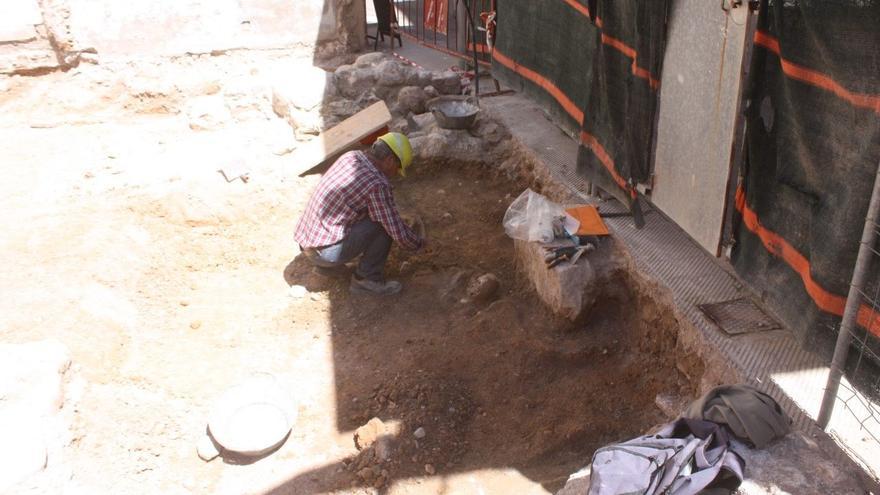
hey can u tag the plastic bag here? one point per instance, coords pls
(530, 217)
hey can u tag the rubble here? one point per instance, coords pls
(370, 59)
(431, 91)
(352, 81)
(391, 73)
(370, 433)
(207, 113)
(413, 99)
(32, 390)
(483, 288)
(447, 83)
(569, 290)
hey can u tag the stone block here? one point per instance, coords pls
(569, 290)
(353, 82)
(390, 73)
(413, 99)
(370, 59)
(447, 83)
(302, 87)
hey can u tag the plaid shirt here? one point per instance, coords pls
(352, 189)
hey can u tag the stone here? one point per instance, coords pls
(297, 291)
(195, 325)
(280, 136)
(24, 451)
(304, 122)
(17, 20)
(352, 82)
(447, 144)
(429, 468)
(483, 288)
(413, 99)
(577, 484)
(367, 434)
(420, 77)
(447, 83)
(366, 474)
(207, 113)
(671, 404)
(431, 91)
(342, 109)
(420, 433)
(32, 377)
(384, 449)
(367, 98)
(569, 290)
(447, 217)
(797, 464)
(390, 73)
(304, 87)
(370, 59)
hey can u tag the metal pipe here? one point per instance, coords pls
(847, 323)
(473, 25)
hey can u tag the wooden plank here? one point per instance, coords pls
(341, 137)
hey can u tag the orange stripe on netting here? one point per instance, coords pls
(631, 53)
(779, 247)
(579, 7)
(481, 48)
(815, 78)
(605, 159)
(576, 113)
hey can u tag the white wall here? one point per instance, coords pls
(125, 29)
(698, 109)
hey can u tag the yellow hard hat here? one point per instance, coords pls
(399, 144)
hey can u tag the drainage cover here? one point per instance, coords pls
(739, 316)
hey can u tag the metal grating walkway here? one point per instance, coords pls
(773, 361)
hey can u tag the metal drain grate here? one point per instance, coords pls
(739, 316)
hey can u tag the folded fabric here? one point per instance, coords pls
(751, 415)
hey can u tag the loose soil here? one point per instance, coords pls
(503, 383)
(169, 285)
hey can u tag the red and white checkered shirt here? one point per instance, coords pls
(352, 189)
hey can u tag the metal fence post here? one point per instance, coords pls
(853, 299)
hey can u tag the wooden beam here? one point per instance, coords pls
(341, 137)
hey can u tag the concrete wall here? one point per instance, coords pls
(698, 111)
(135, 28)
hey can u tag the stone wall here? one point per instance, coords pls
(41, 35)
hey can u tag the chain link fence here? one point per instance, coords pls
(851, 406)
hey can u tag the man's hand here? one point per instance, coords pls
(417, 226)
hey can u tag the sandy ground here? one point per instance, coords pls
(168, 285)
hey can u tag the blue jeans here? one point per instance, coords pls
(364, 237)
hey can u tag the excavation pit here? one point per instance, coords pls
(500, 381)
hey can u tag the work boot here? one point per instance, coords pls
(366, 286)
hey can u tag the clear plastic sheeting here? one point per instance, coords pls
(531, 216)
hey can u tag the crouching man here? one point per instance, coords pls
(352, 213)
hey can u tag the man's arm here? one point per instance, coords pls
(381, 208)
